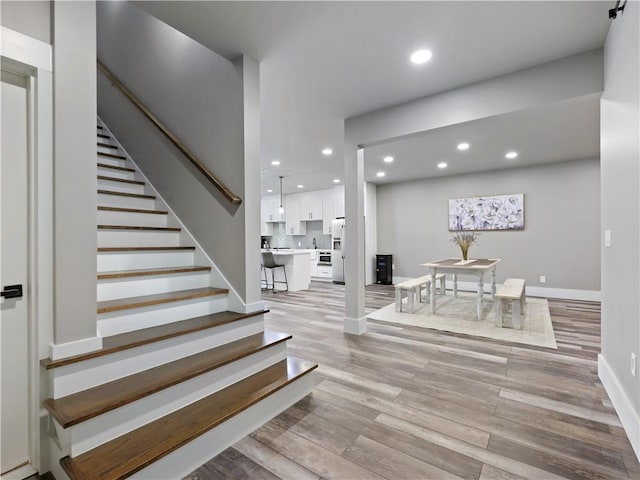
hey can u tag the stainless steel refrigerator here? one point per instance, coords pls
(337, 252)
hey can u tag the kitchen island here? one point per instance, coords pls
(296, 263)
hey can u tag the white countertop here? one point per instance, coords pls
(287, 252)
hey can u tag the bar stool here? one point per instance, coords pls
(268, 261)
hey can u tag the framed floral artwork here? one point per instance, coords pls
(495, 212)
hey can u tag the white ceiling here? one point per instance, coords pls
(322, 62)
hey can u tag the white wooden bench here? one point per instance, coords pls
(512, 291)
(413, 289)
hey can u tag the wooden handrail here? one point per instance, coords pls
(229, 195)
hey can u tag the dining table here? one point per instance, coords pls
(477, 267)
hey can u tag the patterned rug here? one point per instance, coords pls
(458, 315)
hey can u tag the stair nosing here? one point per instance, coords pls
(160, 299)
(102, 135)
(295, 370)
(269, 339)
(109, 349)
(125, 194)
(112, 155)
(139, 227)
(144, 249)
(107, 145)
(121, 180)
(115, 167)
(106, 208)
(151, 272)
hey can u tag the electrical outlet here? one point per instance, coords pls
(634, 361)
(543, 279)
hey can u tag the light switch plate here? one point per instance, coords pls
(607, 238)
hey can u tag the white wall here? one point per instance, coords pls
(204, 100)
(371, 232)
(562, 222)
(620, 157)
(33, 18)
(75, 183)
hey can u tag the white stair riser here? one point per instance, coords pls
(116, 186)
(113, 323)
(126, 202)
(94, 432)
(186, 459)
(110, 289)
(115, 151)
(96, 371)
(116, 162)
(107, 217)
(112, 261)
(112, 172)
(134, 238)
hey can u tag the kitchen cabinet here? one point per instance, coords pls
(324, 271)
(328, 210)
(310, 206)
(293, 225)
(270, 209)
(266, 229)
(338, 196)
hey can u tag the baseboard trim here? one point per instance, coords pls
(252, 307)
(621, 402)
(544, 292)
(355, 326)
(77, 347)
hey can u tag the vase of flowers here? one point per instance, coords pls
(464, 240)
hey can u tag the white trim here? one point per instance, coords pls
(77, 347)
(544, 292)
(355, 326)
(25, 49)
(624, 406)
(19, 473)
(247, 308)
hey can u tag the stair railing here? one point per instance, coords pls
(228, 194)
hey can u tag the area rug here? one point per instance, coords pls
(458, 315)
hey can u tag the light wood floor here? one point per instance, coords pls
(405, 402)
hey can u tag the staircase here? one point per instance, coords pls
(179, 378)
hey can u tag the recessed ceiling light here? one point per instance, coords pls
(511, 155)
(336, 180)
(300, 186)
(327, 151)
(442, 165)
(463, 146)
(380, 174)
(420, 56)
(269, 191)
(388, 159)
(275, 162)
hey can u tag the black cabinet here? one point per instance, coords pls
(384, 268)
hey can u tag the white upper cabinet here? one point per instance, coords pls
(270, 209)
(328, 210)
(293, 224)
(338, 196)
(311, 206)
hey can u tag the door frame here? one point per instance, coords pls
(27, 56)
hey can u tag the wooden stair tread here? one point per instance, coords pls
(139, 227)
(112, 155)
(158, 299)
(113, 167)
(125, 455)
(100, 127)
(107, 145)
(125, 194)
(121, 180)
(102, 135)
(152, 271)
(143, 249)
(137, 338)
(87, 404)
(132, 210)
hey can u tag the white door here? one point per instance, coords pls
(14, 345)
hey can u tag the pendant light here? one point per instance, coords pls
(281, 209)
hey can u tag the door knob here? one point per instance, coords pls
(12, 291)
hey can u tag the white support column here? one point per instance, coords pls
(354, 320)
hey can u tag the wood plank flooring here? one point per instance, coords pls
(405, 402)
